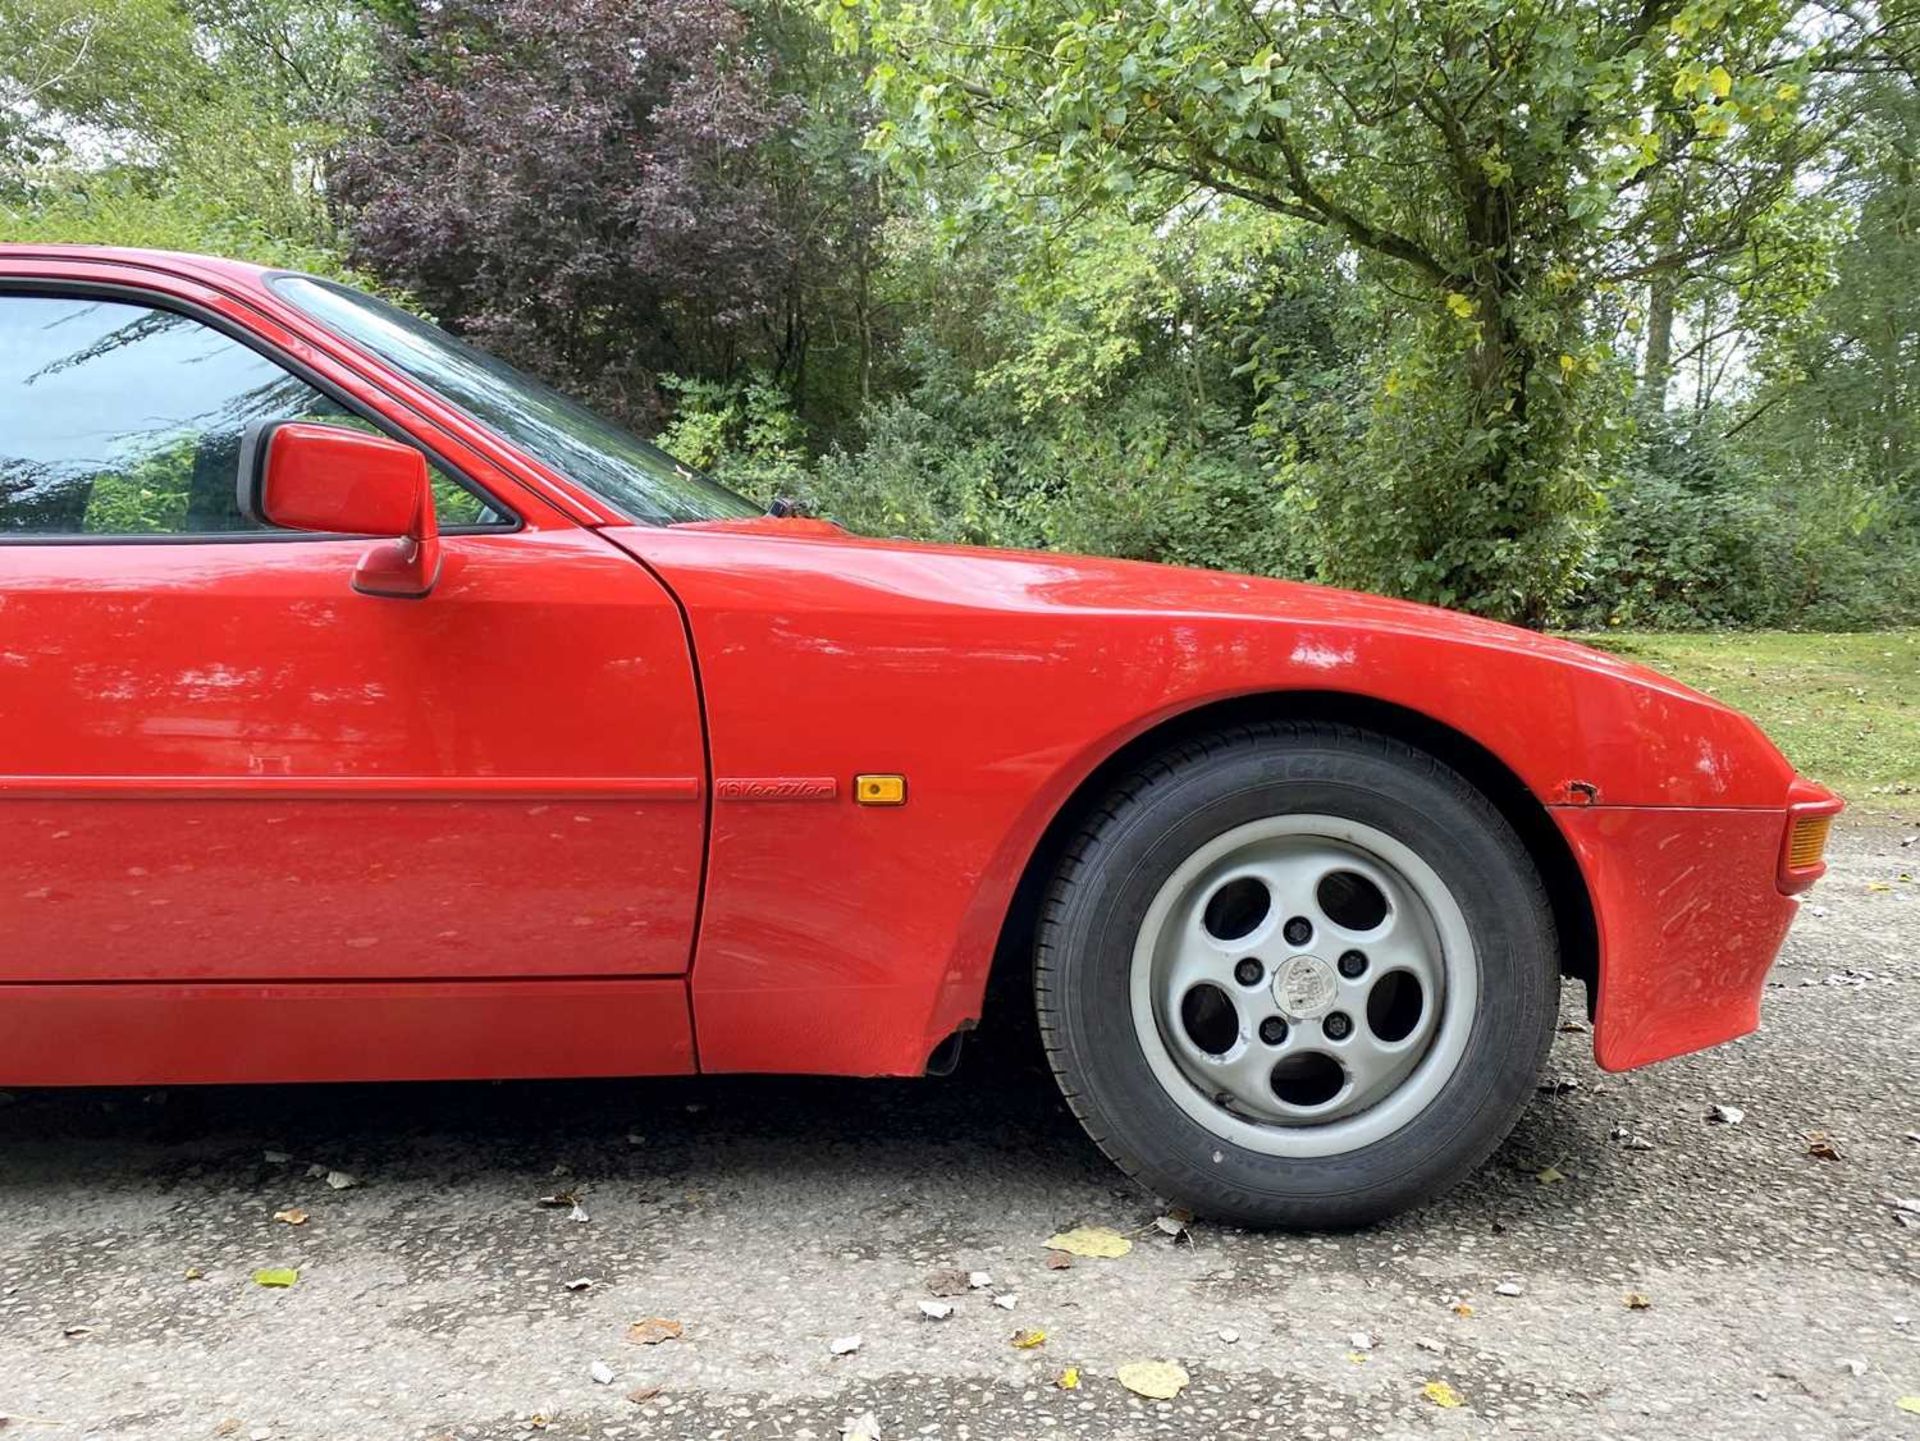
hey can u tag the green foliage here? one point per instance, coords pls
(148, 496)
(746, 434)
(177, 124)
(1696, 535)
(1488, 156)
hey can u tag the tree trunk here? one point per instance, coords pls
(1657, 369)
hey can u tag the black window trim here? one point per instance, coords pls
(156, 300)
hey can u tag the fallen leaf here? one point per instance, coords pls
(1006, 1302)
(1909, 1403)
(1229, 1335)
(1879, 885)
(280, 1276)
(1461, 1308)
(1854, 1366)
(1156, 1380)
(341, 1181)
(1101, 1241)
(601, 1372)
(1027, 1338)
(1441, 1394)
(1508, 1288)
(1068, 1379)
(579, 1213)
(293, 1216)
(1174, 1224)
(654, 1330)
(844, 1345)
(979, 1280)
(864, 1427)
(580, 1283)
(559, 1200)
(1820, 1145)
(77, 1331)
(1427, 1343)
(936, 1310)
(1550, 1175)
(1726, 1115)
(1361, 1341)
(642, 1393)
(1629, 1140)
(1058, 1261)
(1637, 1301)
(194, 1273)
(948, 1281)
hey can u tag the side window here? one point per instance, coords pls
(120, 419)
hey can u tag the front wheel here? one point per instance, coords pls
(1297, 975)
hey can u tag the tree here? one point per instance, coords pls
(579, 183)
(1498, 167)
(182, 124)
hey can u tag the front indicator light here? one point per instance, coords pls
(1803, 850)
(1807, 841)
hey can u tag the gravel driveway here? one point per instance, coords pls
(1775, 1293)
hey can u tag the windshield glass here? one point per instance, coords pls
(639, 479)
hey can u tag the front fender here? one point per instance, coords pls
(838, 938)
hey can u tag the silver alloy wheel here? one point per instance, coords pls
(1253, 1011)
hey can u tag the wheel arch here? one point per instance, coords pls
(1573, 913)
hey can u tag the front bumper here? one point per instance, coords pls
(1691, 906)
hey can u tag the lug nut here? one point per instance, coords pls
(1337, 1026)
(1273, 1030)
(1298, 931)
(1352, 964)
(1249, 972)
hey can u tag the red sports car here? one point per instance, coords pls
(372, 711)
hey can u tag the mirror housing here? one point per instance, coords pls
(334, 481)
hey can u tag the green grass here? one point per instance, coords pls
(1844, 708)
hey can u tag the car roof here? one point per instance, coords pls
(204, 267)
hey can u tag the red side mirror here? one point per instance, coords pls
(336, 481)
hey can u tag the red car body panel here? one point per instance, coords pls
(997, 682)
(141, 1035)
(1690, 916)
(587, 808)
(233, 767)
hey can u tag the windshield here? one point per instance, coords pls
(641, 480)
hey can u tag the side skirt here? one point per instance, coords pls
(133, 1034)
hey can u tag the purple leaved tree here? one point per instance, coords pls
(579, 185)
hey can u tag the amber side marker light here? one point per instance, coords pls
(1807, 841)
(1803, 850)
(874, 790)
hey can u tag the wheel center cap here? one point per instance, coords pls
(1305, 987)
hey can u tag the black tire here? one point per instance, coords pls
(1185, 797)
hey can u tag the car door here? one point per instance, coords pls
(218, 762)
